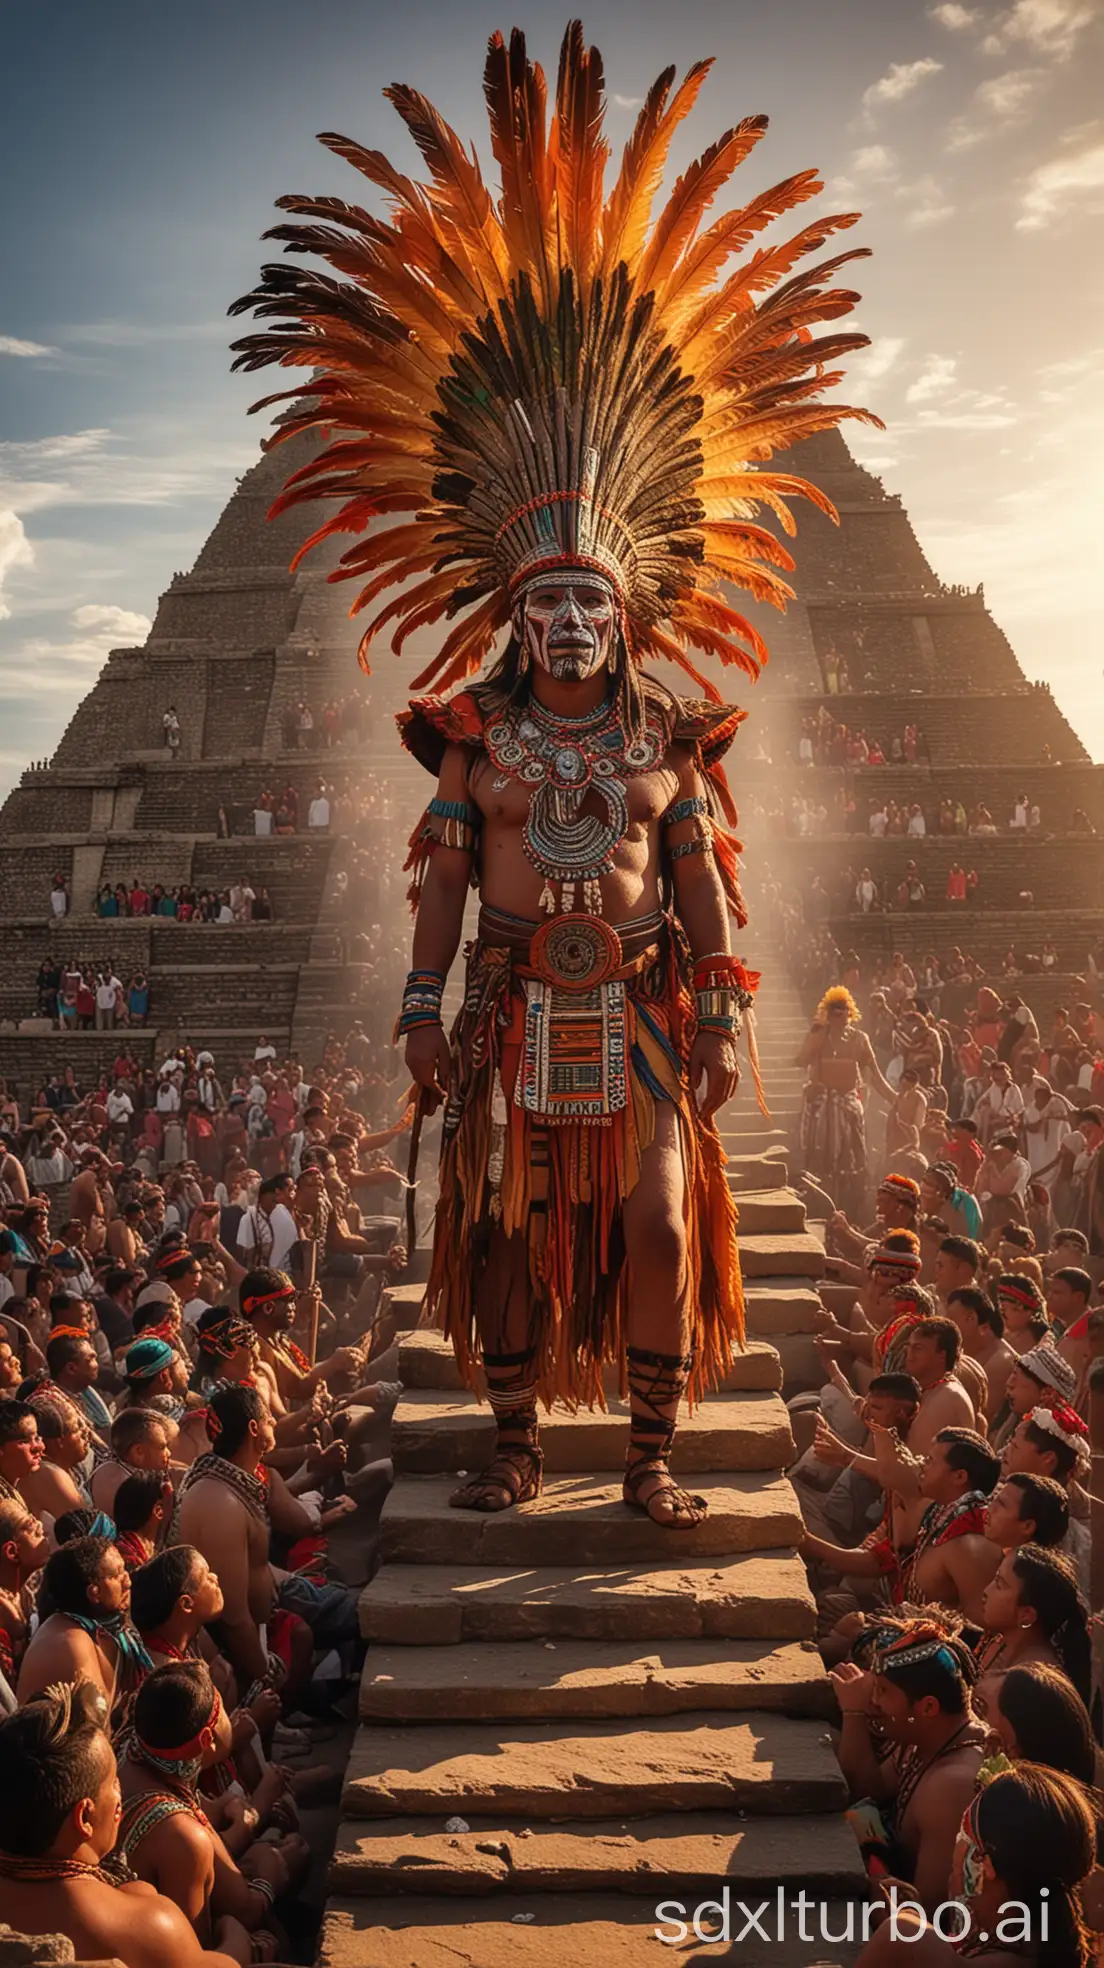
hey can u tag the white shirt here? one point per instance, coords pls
(59, 901)
(318, 813)
(168, 1098)
(265, 1052)
(878, 824)
(268, 1239)
(917, 826)
(226, 913)
(120, 1106)
(1019, 816)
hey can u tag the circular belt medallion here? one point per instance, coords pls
(575, 952)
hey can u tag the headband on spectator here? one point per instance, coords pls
(148, 1357)
(1066, 1425)
(902, 1187)
(885, 1262)
(182, 1752)
(253, 1301)
(68, 1332)
(1023, 1291)
(226, 1336)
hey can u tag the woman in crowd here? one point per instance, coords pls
(1025, 1849)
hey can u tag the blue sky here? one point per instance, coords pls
(143, 146)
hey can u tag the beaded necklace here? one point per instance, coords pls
(564, 758)
(15, 1866)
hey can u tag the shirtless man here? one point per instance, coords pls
(931, 1356)
(59, 1813)
(87, 1638)
(838, 1058)
(179, 1853)
(54, 1488)
(21, 1446)
(223, 1512)
(918, 1697)
(140, 1439)
(981, 1326)
(955, 1558)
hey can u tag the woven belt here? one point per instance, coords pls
(574, 952)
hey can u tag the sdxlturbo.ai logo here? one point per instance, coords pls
(727, 1921)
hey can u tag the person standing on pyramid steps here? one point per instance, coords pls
(570, 445)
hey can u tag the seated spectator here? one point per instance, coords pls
(88, 1635)
(181, 1730)
(59, 1813)
(1027, 1841)
(140, 1440)
(142, 1511)
(23, 1548)
(1033, 1611)
(915, 1699)
(982, 1327)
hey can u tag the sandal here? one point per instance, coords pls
(515, 1471)
(657, 1382)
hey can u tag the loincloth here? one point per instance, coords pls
(552, 1105)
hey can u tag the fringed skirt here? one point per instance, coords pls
(559, 1182)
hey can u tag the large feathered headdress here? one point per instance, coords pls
(550, 380)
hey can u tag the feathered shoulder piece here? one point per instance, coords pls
(511, 381)
(430, 724)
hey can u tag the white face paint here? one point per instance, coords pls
(567, 625)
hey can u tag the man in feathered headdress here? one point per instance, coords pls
(570, 407)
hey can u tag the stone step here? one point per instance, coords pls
(567, 1931)
(771, 1212)
(787, 1256)
(764, 1595)
(434, 1430)
(756, 1171)
(426, 1359)
(766, 1764)
(759, 1137)
(776, 1306)
(522, 1680)
(656, 1857)
(405, 1301)
(582, 1521)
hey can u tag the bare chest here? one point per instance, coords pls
(505, 802)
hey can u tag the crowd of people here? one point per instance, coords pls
(311, 727)
(804, 817)
(943, 1473)
(824, 740)
(197, 1372)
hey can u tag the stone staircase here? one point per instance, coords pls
(569, 1716)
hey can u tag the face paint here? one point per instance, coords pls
(567, 626)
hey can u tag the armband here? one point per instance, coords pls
(723, 991)
(700, 845)
(685, 809)
(459, 825)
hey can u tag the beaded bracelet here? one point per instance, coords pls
(697, 846)
(421, 1001)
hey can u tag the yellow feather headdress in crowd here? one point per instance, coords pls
(550, 379)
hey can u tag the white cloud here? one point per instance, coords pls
(122, 625)
(872, 364)
(1005, 95)
(14, 345)
(1002, 99)
(15, 551)
(966, 420)
(954, 18)
(58, 663)
(928, 203)
(900, 79)
(99, 467)
(144, 334)
(935, 379)
(1048, 27)
(1072, 179)
(628, 102)
(873, 161)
